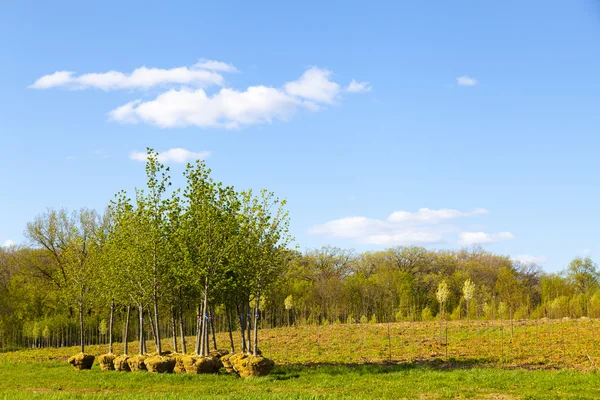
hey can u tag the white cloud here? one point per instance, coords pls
(9, 243)
(466, 81)
(314, 85)
(586, 252)
(358, 87)
(433, 216)
(140, 78)
(529, 259)
(215, 66)
(230, 108)
(469, 238)
(400, 228)
(176, 156)
(185, 101)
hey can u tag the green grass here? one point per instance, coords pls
(58, 380)
(544, 359)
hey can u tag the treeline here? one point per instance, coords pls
(207, 258)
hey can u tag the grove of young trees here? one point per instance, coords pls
(170, 262)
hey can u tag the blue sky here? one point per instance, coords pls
(382, 123)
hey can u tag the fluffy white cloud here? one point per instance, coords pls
(140, 78)
(9, 243)
(466, 81)
(529, 259)
(469, 238)
(176, 155)
(314, 85)
(230, 108)
(426, 215)
(400, 228)
(358, 87)
(185, 101)
(215, 66)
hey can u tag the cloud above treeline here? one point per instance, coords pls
(422, 227)
(198, 95)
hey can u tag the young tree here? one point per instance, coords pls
(442, 294)
(468, 294)
(209, 222)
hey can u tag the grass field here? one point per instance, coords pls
(544, 359)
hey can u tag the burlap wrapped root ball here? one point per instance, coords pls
(226, 361)
(201, 365)
(137, 363)
(106, 362)
(247, 365)
(218, 353)
(160, 364)
(120, 363)
(82, 361)
(179, 367)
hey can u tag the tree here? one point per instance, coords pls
(583, 275)
(510, 289)
(468, 294)
(69, 239)
(442, 294)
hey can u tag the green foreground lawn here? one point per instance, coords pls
(59, 380)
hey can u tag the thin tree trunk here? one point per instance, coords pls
(198, 329)
(81, 327)
(255, 344)
(242, 327)
(110, 326)
(142, 342)
(249, 328)
(126, 334)
(229, 329)
(157, 324)
(154, 328)
(182, 330)
(212, 327)
(203, 343)
(174, 328)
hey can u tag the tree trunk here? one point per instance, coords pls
(157, 324)
(182, 330)
(242, 327)
(142, 342)
(203, 343)
(174, 328)
(126, 334)
(255, 344)
(110, 326)
(249, 328)
(198, 329)
(212, 328)
(81, 327)
(153, 328)
(229, 329)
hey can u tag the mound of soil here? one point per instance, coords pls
(179, 367)
(247, 365)
(227, 363)
(82, 361)
(160, 364)
(120, 363)
(218, 353)
(137, 363)
(201, 365)
(106, 362)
